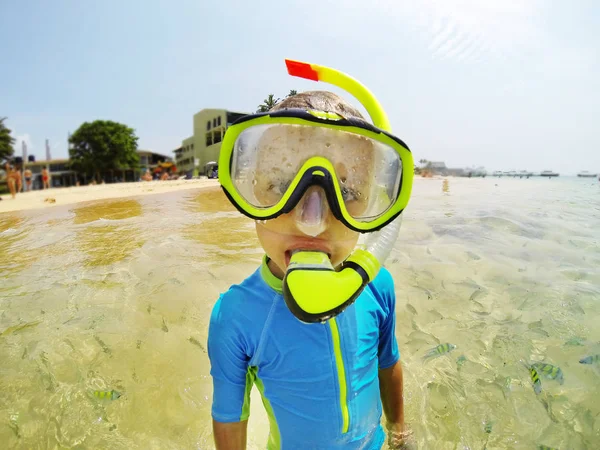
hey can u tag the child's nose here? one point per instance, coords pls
(312, 212)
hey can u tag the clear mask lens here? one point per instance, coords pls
(266, 158)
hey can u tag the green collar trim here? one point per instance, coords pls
(272, 281)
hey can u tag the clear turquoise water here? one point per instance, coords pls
(117, 295)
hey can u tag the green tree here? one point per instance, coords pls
(103, 145)
(6, 141)
(292, 92)
(268, 104)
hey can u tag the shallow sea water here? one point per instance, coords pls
(117, 295)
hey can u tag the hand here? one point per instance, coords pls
(398, 436)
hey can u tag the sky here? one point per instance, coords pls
(504, 84)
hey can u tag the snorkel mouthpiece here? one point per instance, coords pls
(315, 292)
(312, 289)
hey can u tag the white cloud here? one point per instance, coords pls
(441, 34)
(465, 29)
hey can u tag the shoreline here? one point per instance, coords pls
(78, 194)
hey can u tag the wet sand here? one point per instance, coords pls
(117, 294)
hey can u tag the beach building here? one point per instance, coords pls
(456, 172)
(150, 160)
(62, 175)
(438, 167)
(199, 153)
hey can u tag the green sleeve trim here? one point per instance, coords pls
(274, 442)
(250, 377)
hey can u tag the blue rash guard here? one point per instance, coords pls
(319, 382)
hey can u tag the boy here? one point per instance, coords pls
(324, 385)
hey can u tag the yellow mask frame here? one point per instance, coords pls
(316, 170)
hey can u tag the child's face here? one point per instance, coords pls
(282, 154)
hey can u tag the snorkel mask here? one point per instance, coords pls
(322, 147)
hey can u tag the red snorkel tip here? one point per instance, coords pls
(302, 70)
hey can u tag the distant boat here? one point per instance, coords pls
(586, 174)
(549, 174)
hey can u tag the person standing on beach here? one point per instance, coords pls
(27, 174)
(13, 178)
(45, 178)
(19, 179)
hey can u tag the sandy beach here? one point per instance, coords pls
(65, 196)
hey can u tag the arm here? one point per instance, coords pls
(227, 351)
(230, 436)
(391, 387)
(390, 368)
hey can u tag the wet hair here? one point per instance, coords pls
(321, 101)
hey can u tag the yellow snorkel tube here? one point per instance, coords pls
(312, 289)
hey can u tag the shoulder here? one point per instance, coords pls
(383, 282)
(243, 306)
(239, 316)
(382, 287)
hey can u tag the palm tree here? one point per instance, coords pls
(6, 141)
(267, 104)
(292, 92)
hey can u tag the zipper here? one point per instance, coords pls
(339, 362)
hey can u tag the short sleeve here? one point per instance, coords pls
(229, 358)
(388, 353)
